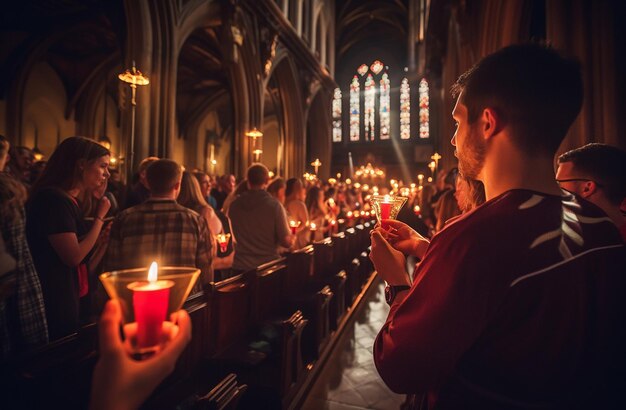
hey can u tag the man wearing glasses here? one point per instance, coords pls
(597, 173)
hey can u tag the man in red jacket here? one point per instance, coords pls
(520, 302)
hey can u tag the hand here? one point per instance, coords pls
(120, 382)
(103, 207)
(389, 263)
(103, 238)
(404, 239)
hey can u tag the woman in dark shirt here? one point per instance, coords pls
(59, 241)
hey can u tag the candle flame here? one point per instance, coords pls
(152, 272)
(313, 226)
(387, 199)
(417, 208)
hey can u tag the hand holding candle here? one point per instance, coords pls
(150, 303)
(385, 210)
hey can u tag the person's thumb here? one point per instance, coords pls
(109, 328)
(379, 241)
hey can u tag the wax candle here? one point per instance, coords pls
(294, 225)
(385, 210)
(417, 210)
(150, 303)
(313, 228)
(222, 239)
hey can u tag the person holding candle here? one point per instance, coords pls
(59, 240)
(161, 229)
(297, 211)
(518, 303)
(121, 382)
(318, 212)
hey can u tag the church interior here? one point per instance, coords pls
(351, 93)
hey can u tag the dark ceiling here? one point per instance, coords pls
(370, 29)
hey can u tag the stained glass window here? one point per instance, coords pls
(355, 90)
(337, 115)
(384, 107)
(424, 109)
(369, 107)
(377, 67)
(405, 110)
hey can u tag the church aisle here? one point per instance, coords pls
(349, 379)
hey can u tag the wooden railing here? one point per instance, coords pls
(268, 326)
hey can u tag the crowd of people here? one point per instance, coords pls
(77, 220)
(66, 220)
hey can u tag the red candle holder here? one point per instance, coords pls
(386, 207)
(293, 225)
(222, 240)
(146, 303)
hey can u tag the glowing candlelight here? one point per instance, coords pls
(150, 302)
(349, 214)
(420, 179)
(417, 210)
(385, 210)
(222, 240)
(432, 167)
(316, 164)
(293, 225)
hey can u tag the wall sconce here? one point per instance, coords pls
(105, 142)
(254, 134)
(316, 164)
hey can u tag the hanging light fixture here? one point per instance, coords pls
(133, 78)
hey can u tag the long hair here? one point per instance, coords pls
(63, 168)
(312, 201)
(190, 195)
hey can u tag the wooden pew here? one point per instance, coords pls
(57, 375)
(326, 273)
(305, 294)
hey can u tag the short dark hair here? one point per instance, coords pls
(291, 185)
(604, 164)
(531, 87)
(163, 175)
(258, 174)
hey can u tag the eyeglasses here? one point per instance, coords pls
(559, 181)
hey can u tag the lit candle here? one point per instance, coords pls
(294, 225)
(222, 240)
(313, 228)
(349, 215)
(150, 302)
(385, 210)
(417, 210)
(420, 179)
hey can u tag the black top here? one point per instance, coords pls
(219, 196)
(51, 211)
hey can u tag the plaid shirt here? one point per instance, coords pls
(163, 231)
(31, 316)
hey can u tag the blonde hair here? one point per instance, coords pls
(190, 193)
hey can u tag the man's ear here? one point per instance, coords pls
(589, 189)
(492, 123)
